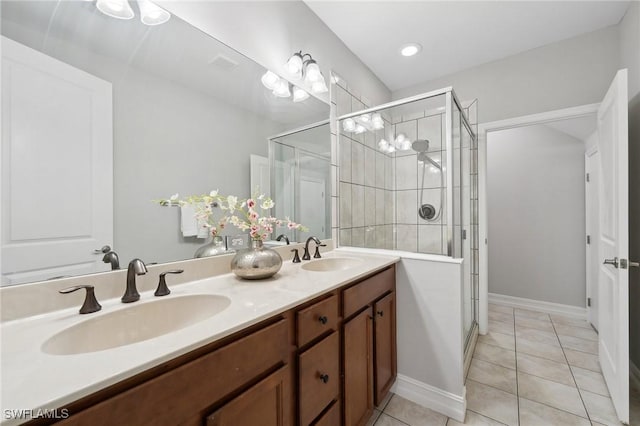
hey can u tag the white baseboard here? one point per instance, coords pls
(539, 305)
(634, 375)
(443, 402)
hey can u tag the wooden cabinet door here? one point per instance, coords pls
(385, 346)
(268, 403)
(358, 366)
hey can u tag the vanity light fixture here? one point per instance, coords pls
(295, 65)
(302, 65)
(151, 14)
(119, 9)
(282, 89)
(359, 129)
(299, 94)
(349, 125)
(377, 122)
(270, 80)
(402, 142)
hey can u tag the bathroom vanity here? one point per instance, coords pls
(325, 357)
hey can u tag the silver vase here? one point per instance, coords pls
(256, 262)
(213, 248)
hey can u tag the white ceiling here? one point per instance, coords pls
(455, 35)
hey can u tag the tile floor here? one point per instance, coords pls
(531, 369)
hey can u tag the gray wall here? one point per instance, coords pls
(270, 31)
(630, 59)
(535, 198)
(571, 72)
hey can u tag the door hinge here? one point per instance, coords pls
(588, 239)
(587, 177)
(588, 302)
(464, 234)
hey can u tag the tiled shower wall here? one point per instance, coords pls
(413, 233)
(364, 178)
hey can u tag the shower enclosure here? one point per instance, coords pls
(300, 164)
(408, 180)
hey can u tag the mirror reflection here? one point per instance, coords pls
(100, 116)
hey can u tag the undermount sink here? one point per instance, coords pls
(134, 324)
(332, 264)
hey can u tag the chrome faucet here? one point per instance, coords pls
(112, 257)
(136, 267)
(306, 255)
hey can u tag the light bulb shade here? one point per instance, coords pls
(299, 94)
(282, 89)
(377, 121)
(383, 145)
(359, 129)
(349, 125)
(270, 80)
(391, 149)
(294, 65)
(405, 145)
(151, 14)
(312, 72)
(119, 9)
(365, 118)
(319, 86)
(401, 137)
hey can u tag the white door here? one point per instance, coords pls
(613, 280)
(260, 175)
(56, 168)
(592, 168)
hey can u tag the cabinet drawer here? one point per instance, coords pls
(266, 404)
(361, 294)
(331, 417)
(181, 393)
(319, 377)
(317, 319)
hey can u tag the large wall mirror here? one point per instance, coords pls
(100, 116)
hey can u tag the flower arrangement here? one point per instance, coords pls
(251, 214)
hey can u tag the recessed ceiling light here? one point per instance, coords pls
(410, 49)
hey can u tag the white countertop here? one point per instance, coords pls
(33, 379)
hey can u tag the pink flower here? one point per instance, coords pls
(291, 225)
(254, 228)
(250, 203)
(253, 234)
(253, 216)
(265, 236)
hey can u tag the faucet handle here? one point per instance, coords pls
(317, 253)
(90, 302)
(162, 289)
(296, 256)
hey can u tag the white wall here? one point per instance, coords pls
(269, 32)
(630, 59)
(535, 196)
(571, 72)
(430, 334)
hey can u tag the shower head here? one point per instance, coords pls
(420, 145)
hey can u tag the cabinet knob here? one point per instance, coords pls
(380, 313)
(323, 319)
(324, 378)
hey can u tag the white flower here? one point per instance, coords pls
(232, 201)
(213, 193)
(174, 197)
(267, 204)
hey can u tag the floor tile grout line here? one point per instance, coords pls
(490, 362)
(395, 418)
(555, 408)
(489, 417)
(573, 377)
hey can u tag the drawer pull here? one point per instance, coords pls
(381, 313)
(324, 378)
(323, 319)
